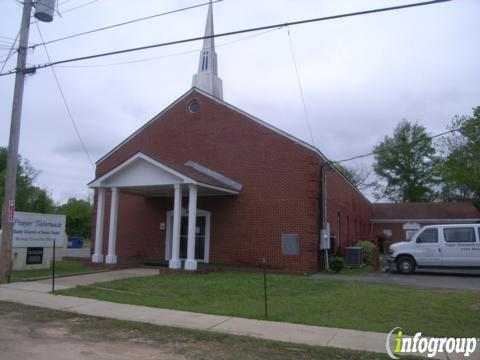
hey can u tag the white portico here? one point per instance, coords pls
(142, 175)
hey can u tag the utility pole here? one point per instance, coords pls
(8, 208)
(44, 12)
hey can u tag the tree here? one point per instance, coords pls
(79, 216)
(406, 164)
(28, 197)
(359, 177)
(460, 168)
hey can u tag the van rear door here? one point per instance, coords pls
(461, 246)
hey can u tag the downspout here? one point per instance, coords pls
(324, 220)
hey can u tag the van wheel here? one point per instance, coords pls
(406, 265)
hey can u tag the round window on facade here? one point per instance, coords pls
(194, 106)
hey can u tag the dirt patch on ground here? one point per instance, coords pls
(35, 333)
(19, 340)
(476, 306)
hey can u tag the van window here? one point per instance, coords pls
(428, 236)
(461, 234)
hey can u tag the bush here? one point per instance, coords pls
(337, 264)
(368, 249)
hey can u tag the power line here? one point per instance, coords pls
(413, 143)
(232, 33)
(9, 43)
(64, 2)
(7, 37)
(299, 82)
(77, 132)
(122, 24)
(164, 56)
(77, 7)
(10, 52)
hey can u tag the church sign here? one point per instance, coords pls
(38, 230)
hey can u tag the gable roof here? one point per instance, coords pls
(224, 103)
(185, 173)
(280, 132)
(425, 211)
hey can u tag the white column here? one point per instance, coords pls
(191, 263)
(112, 233)
(175, 262)
(97, 257)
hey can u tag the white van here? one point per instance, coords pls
(438, 246)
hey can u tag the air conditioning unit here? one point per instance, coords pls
(353, 256)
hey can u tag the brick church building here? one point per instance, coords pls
(204, 181)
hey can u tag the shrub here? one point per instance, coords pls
(337, 264)
(368, 249)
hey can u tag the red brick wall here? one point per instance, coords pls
(348, 212)
(280, 192)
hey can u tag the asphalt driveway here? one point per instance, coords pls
(460, 280)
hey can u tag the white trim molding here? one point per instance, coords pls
(99, 182)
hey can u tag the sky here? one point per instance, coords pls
(360, 76)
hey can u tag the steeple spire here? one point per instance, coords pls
(207, 78)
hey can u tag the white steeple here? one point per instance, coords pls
(207, 78)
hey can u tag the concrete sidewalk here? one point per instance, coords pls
(36, 294)
(66, 282)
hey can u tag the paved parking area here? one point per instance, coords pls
(459, 280)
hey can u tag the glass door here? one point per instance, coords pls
(199, 237)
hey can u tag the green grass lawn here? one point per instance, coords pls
(61, 268)
(300, 300)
